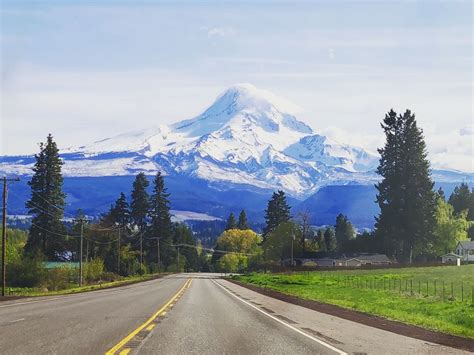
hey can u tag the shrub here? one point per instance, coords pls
(59, 278)
(27, 272)
(93, 270)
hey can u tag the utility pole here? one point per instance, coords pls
(4, 234)
(118, 253)
(158, 251)
(141, 248)
(292, 240)
(80, 253)
(177, 266)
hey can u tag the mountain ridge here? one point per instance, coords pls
(247, 137)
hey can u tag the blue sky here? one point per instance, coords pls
(86, 70)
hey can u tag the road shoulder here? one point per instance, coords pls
(366, 332)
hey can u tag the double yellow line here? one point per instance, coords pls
(148, 322)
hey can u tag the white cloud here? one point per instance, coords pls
(220, 31)
(467, 130)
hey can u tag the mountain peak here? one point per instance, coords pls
(248, 96)
(243, 104)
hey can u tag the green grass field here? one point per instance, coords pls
(406, 295)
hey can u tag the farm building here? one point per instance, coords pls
(465, 249)
(450, 258)
(342, 260)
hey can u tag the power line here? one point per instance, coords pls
(48, 202)
(36, 206)
(212, 250)
(73, 236)
(51, 232)
(53, 205)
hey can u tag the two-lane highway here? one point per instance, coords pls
(188, 313)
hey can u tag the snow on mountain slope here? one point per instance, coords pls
(317, 148)
(247, 136)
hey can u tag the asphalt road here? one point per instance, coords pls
(173, 315)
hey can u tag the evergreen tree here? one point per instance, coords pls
(405, 195)
(463, 200)
(277, 212)
(344, 231)
(440, 194)
(161, 229)
(120, 212)
(231, 223)
(47, 204)
(140, 202)
(320, 240)
(330, 240)
(243, 223)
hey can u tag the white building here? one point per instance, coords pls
(466, 250)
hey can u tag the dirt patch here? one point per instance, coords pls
(368, 319)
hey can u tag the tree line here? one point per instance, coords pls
(415, 222)
(135, 235)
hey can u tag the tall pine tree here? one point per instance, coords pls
(330, 240)
(463, 200)
(277, 212)
(243, 223)
(405, 195)
(344, 231)
(140, 202)
(231, 223)
(120, 211)
(47, 204)
(161, 229)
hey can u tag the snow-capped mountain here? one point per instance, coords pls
(247, 136)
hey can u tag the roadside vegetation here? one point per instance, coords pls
(74, 288)
(410, 295)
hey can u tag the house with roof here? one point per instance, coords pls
(450, 258)
(328, 259)
(366, 259)
(465, 249)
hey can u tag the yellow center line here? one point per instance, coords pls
(144, 325)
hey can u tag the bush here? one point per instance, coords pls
(59, 278)
(141, 269)
(93, 270)
(27, 272)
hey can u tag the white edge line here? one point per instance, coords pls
(329, 346)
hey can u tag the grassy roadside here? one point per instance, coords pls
(354, 289)
(35, 292)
